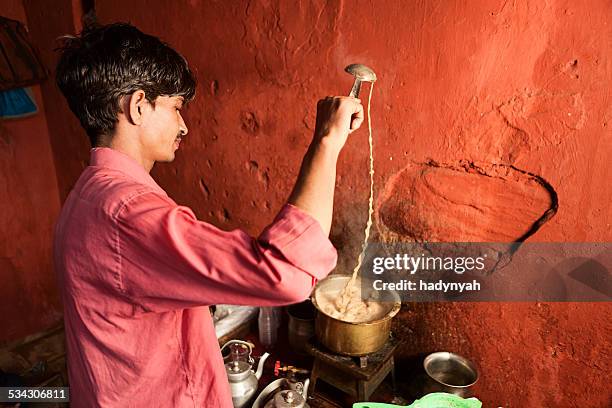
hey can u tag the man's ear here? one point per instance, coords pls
(136, 104)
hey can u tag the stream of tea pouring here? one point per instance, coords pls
(349, 305)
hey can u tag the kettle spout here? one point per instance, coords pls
(260, 365)
(305, 391)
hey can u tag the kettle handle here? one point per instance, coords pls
(245, 343)
(266, 392)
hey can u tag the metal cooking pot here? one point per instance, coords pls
(351, 339)
(451, 373)
(301, 325)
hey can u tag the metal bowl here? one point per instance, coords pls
(451, 373)
(351, 339)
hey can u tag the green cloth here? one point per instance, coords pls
(435, 400)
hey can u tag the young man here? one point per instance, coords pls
(137, 271)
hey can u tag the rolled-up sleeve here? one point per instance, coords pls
(168, 259)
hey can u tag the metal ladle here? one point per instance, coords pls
(361, 73)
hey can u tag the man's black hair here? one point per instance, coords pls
(105, 63)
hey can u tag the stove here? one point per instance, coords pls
(356, 376)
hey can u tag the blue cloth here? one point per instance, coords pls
(16, 103)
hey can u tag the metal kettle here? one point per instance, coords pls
(287, 399)
(242, 379)
(282, 393)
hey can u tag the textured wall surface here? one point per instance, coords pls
(485, 114)
(488, 117)
(29, 204)
(70, 147)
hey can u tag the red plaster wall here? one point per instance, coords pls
(492, 85)
(48, 21)
(29, 204)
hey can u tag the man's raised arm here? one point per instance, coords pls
(337, 117)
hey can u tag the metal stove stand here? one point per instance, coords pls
(356, 376)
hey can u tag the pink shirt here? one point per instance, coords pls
(137, 273)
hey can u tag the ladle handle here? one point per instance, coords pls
(355, 89)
